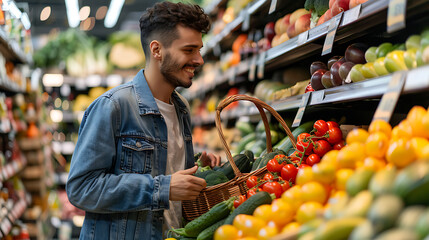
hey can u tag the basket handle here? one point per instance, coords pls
(260, 105)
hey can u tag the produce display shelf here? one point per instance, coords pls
(295, 49)
(213, 5)
(7, 85)
(11, 49)
(14, 214)
(11, 169)
(417, 80)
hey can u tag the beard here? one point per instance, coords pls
(170, 69)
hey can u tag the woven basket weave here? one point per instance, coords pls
(212, 195)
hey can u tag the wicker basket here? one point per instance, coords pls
(212, 195)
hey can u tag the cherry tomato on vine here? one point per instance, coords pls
(303, 165)
(321, 147)
(279, 156)
(253, 191)
(307, 145)
(313, 159)
(252, 181)
(273, 187)
(295, 156)
(339, 145)
(335, 135)
(274, 166)
(289, 172)
(332, 124)
(321, 128)
(285, 185)
(239, 200)
(303, 136)
(268, 176)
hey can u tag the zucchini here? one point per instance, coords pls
(249, 155)
(242, 162)
(244, 127)
(249, 206)
(245, 140)
(267, 157)
(209, 232)
(215, 214)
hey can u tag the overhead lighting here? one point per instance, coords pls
(88, 24)
(112, 15)
(84, 13)
(72, 13)
(25, 21)
(53, 80)
(45, 14)
(101, 12)
(56, 115)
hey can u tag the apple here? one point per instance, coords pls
(296, 14)
(291, 31)
(413, 41)
(340, 6)
(283, 38)
(394, 61)
(331, 2)
(316, 79)
(275, 41)
(356, 53)
(269, 32)
(328, 15)
(321, 19)
(410, 58)
(335, 78)
(383, 49)
(277, 26)
(368, 70)
(326, 79)
(379, 67)
(302, 24)
(316, 66)
(345, 69)
(356, 73)
(370, 55)
(425, 55)
(354, 3)
(282, 24)
(425, 40)
(333, 60)
(419, 57)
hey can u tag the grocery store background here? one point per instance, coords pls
(57, 56)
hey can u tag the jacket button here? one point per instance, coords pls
(138, 144)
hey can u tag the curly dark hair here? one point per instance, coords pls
(160, 22)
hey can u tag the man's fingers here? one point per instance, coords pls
(188, 171)
(198, 181)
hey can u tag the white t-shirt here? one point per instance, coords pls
(175, 160)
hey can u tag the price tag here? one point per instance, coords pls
(330, 36)
(351, 15)
(317, 96)
(273, 6)
(231, 75)
(217, 51)
(246, 20)
(261, 65)
(302, 38)
(396, 15)
(252, 68)
(388, 102)
(301, 109)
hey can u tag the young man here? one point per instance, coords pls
(135, 140)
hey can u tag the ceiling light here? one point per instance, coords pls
(46, 12)
(52, 80)
(56, 115)
(101, 12)
(72, 13)
(112, 15)
(84, 13)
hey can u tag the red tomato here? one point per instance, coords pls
(289, 172)
(308, 146)
(339, 145)
(274, 166)
(252, 181)
(303, 165)
(321, 128)
(335, 135)
(312, 159)
(268, 176)
(273, 187)
(332, 124)
(321, 147)
(303, 136)
(239, 200)
(285, 185)
(252, 192)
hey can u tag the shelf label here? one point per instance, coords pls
(351, 15)
(330, 36)
(301, 109)
(388, 102)
(273, 6)
(231, 75)
(302, 38)
(396, 15)
(261, 65)
(252, 68)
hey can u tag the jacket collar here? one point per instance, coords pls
(145, 99)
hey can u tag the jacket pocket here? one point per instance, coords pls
(136, 155)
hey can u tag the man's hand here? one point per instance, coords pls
(185, 186)
(209, 159)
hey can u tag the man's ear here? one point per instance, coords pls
(155, 49)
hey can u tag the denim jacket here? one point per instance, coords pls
(118, 166)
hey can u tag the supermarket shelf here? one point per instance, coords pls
(13, 214)
(12, 168)
(65, 148)
(6, 85)
(60, 178)
(11, 49)
(417, 80)
(213, 6)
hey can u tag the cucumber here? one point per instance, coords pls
(244, 127)
(249, 206)
(267, 157)
(215, 214)
(242, 162)
(245, 140)
(208, 233)
(286, 143)
(249, 155)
